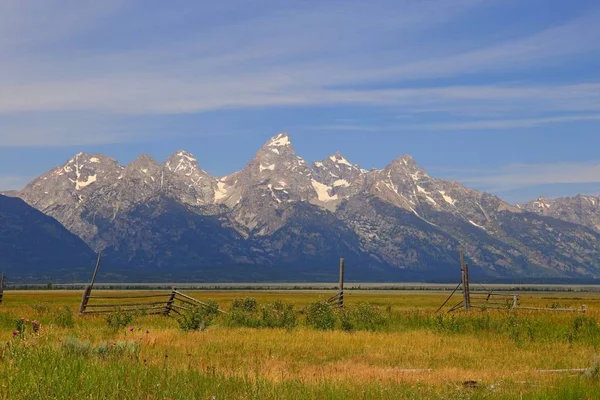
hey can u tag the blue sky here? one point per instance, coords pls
(503, 95)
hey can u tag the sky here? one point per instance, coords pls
(501, 95)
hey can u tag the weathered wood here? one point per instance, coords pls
(84, 299)
(195, 300)
(2, 288)
(155, 310)
(169, 306)
(141, 296)
(457, 306)
(181, 307)
(467, 289)
(186, 302)
(341, 284)
(451, 294)
(96, 269)
(334, 298)
(126, 309)
(150, 303)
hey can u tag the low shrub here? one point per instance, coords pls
(41, 308)
(119, 320)
(247, 313)
(63, 317)
(278, 315)
(120, 348)
(367, 317)
(199, 318)
(247, 304)
(319, 315)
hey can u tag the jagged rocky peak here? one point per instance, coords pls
(542, 203)
(182, 162)
(143, 161)
(276, 158)
(279, 140)
(340, 160)
(144, 169)
(81, 171)
(339, 173)
(184, 180)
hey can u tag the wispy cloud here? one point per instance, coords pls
(518, 176)
(121, 58)
(505, 124)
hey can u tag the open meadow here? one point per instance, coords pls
(385, 345)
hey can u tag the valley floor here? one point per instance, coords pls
(414, 354)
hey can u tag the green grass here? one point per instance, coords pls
(397, 348)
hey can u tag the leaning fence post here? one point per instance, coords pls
(2, 288)
(88, 289)
(515, 301)
(170, 302)
(85, 299)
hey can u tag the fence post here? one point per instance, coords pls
(84, 299)
(88, 289)
(464, 276)
(341, 285)
(170, 302)
(2, 288)
(515, 303)
(467, 289)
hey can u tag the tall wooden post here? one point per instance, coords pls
(88, 289)
(96, 268)
(170, 302)
(464, 271)
(341, 286)
(2, 287)
(467, 289)
(84, 299)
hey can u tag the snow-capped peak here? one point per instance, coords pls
(281, 139)
(183, 162)
(184, 154)
(339, 159)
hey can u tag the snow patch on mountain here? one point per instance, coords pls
(280, 140)
(270, 167)
(447, 198)
(341, 182)
(323, 191)
(81, 184)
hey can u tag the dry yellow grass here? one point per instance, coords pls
(406, 353)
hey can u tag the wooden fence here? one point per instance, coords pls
(338, 298)
(164, 303)
(488, 299)
(2, 282)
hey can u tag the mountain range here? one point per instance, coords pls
(281, 218)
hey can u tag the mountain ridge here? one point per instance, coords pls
(280, 213)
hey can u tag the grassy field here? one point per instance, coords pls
(404, 350)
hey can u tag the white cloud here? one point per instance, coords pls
(518, 176)
(506, 124)
(68, 57)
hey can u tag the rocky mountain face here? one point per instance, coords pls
(580, 209)
(280, 218)
(35, 246)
